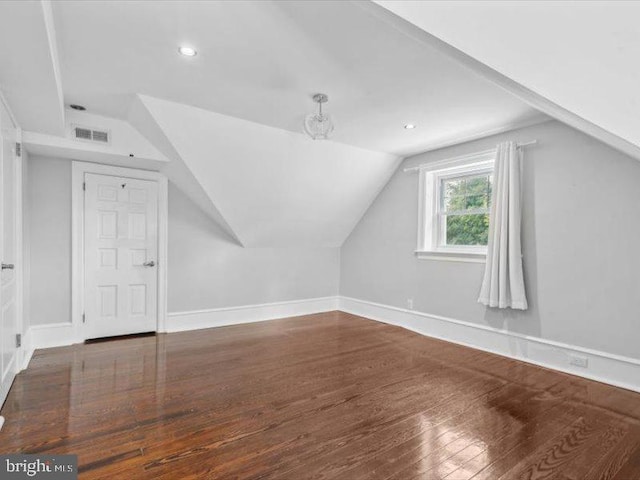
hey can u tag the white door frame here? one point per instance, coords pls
(79, 169)
(22, 354)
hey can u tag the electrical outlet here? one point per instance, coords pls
(410, 303)
(579, 361)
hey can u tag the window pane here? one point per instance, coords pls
(454, 186)
(453, 194)
(455, 203)
(466, 193)
(476, 201)
(467, 229)
(477, 185)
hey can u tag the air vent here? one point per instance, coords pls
(82, 133)
(100, 136)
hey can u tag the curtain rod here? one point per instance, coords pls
(463, 157)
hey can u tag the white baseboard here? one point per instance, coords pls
(218, 317)
(62, 334)
(27, 350)
(26, 358)
(52, 335)
(603, 367)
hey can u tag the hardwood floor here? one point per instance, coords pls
(327, 396)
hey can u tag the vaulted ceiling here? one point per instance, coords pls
(272, 187)
(29, 65)
(225, 125)
(574, 60)
(262, 60)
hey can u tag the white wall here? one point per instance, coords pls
(206, 269)
(580, 238)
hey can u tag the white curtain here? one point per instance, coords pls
(503, 283)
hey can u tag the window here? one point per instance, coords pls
(455, 200)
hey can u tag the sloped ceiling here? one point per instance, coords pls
(262, 61)
(126, 146)
(582, 56)
(271, 186)
(229, 120)
(176, 169)
(29, 67)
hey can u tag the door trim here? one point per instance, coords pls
(18, 215)
(24, 349)
(78, 171)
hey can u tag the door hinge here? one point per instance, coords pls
(84, 317)
(84, 185)
(18, 340)
(18, 149)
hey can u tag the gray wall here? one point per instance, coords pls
(206, 270)
(581, 232)
(48, 254)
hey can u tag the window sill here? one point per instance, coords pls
(451, 256)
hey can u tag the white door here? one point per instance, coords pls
(120, 255)
(8, 250)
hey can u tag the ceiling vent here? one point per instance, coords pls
(88, 134)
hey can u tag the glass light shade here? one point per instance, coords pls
(318, 126)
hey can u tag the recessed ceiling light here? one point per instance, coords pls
(187, 51)
(77, 107)
(409, 126)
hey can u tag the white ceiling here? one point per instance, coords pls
(29, 67)
(262, 60)
(228, 121)
(176, 170)
(225, 119)
(126, 147)
(582, 56)
(274, 188)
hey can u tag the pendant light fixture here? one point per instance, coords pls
(319, 125)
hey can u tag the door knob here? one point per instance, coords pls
(7, 266)
(149, 264)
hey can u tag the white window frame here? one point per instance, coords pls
(429, 216)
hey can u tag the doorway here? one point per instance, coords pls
(119, 251)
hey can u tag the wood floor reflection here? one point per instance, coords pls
(327, 396)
